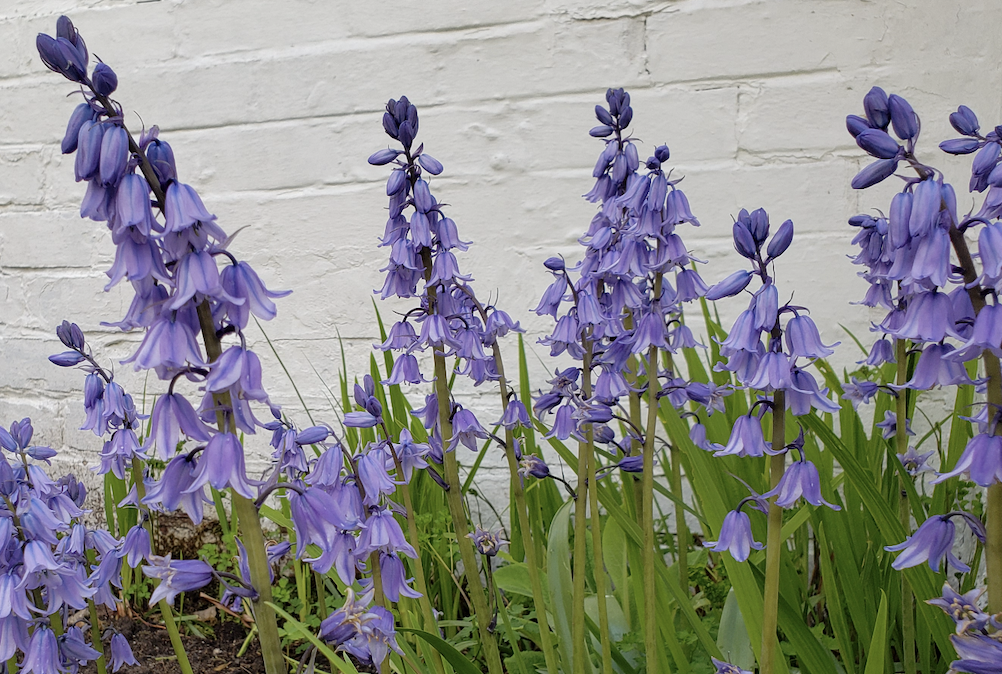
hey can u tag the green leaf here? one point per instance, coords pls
(447, 650)
(514, 579)
(732, 639)
(558, 569)
(878, 644)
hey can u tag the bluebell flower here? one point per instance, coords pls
(979, 654)
(382, 532)
(466, 429)
(73, 649)
(746, 438)
(176, 576)
(42, 656)
(981, 461)
(735, 537)
(800, 480)
(121, 652)
(222, 465)
(137, 546)
(486, 542)
(962, 608)
(932, 542)
(174, 489)
(915, 463)
(394, 578)
(534, 466)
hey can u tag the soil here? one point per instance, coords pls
(217, 654)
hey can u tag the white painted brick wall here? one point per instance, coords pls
(273, 106)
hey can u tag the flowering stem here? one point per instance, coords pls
(524, 525)
(901, 445)
(428, 613)
(681, 528)
(993, 371)
(165, 610)
(457, 508)
(95, 637)
(578, 643)
(647, 501)
(774, 539)
(249, 523)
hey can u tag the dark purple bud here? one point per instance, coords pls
(114, 155)
(856, 124)
(614, 97)
(396, 182)
(876, 106)
(82, 113)
(430, 164)
(964, 121)
(781, 240)
(626, 116)
(874, 173)
(730, 286)
(104, 79)
(743, 241)
(161, 156)
(759, 226)
(406, 134)
(67, 358)
(986, 159)
(600, 131)
(960, 145)
(662, 153)
(48, 50)
(70, 335)
(903, 118)
(390, 125)
(554, 264)
(88, 150)
(901, 213)
(878, 143)
(603, 115)
(383, 157)
(312, 435)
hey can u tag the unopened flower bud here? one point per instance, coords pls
(876, 107)
(743, 241)
(903, 118)
(383, 157)
(781, 240)
(104, 79)
(964, 121)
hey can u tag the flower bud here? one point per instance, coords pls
(878, 143)
(88, 150)
(960, 145)
(383, 157)
(781, 240)
(554, 264)
(104, 79)
(743, 241)
(964, 121)
(82, 113)
(114, 155)
(312, 435)
(600, 131)
(759, 227)
(903, 118)
(67, 358)
(161, 156)
(876, 107)
(603, 115)
(856, 124)
(626, 116)
(730, 286)
(70, 335)
(430, 164)
(874, 173)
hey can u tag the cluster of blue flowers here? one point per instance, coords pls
(623, 303)
(764, 349)
(168, 246)
(940, 307)
(45, 567)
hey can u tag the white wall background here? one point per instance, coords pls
(272, 107)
